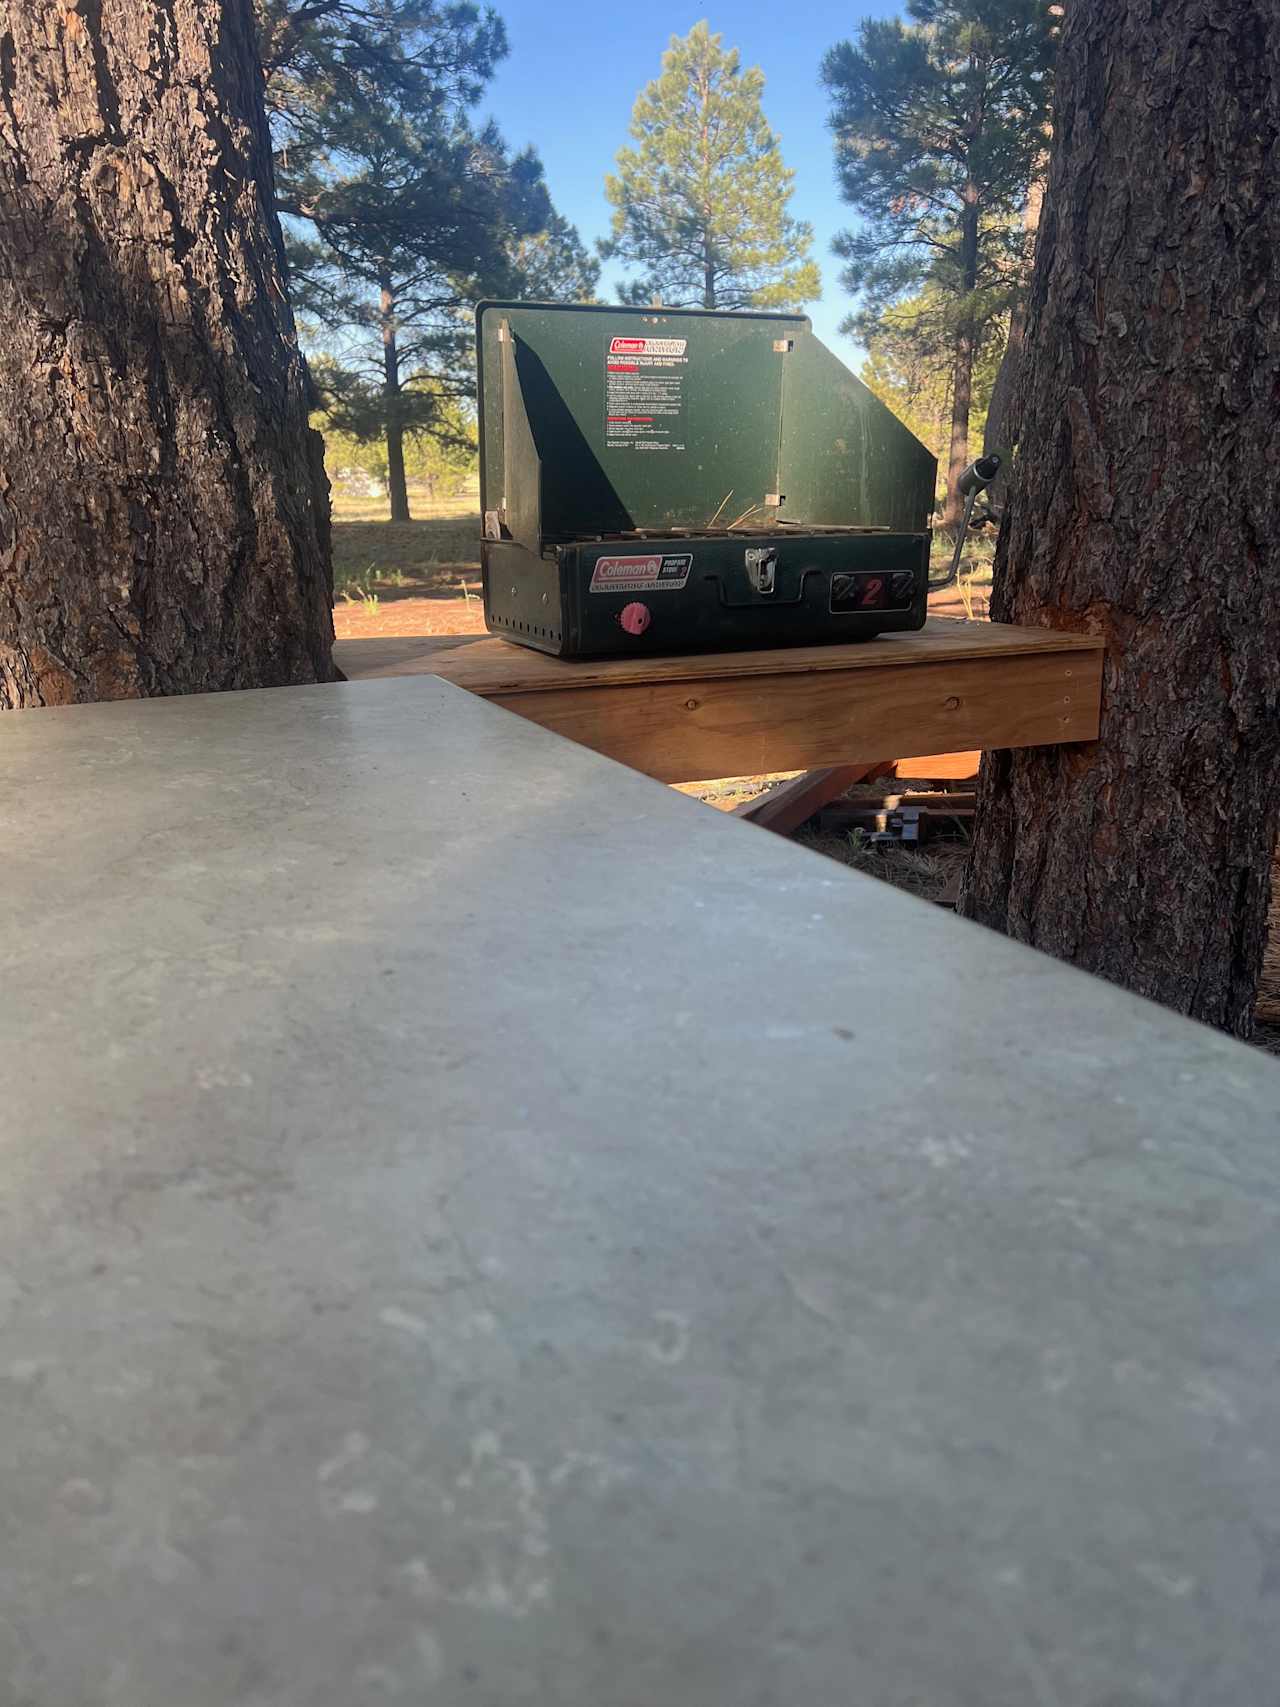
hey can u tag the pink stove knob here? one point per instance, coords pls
(635, 617)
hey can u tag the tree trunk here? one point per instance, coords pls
(961, 401)
(962, 366)
(1000, 430)
(1144, 509)
(164, 519)
(397, 488)
(1002, 410)
(708, 258)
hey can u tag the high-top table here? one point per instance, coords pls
(479, 1229)
(951, 688)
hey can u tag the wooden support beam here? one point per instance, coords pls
(742, 726)
(953, 687)
(787, 806)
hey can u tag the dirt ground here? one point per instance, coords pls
(409, 611)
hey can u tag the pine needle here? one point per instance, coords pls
(720, 511)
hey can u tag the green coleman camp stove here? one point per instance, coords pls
(660, 480)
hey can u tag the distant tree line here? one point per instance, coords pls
(941, 131)
(402, 209)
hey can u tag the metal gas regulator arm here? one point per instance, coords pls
(976, 478)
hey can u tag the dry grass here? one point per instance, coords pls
(431, 555)
(932, 873)
(972, 591)
(426, 553)
(356, 507)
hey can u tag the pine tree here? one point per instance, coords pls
(554, 265)
(163, 511)
(700, 203)
(409, 229)
(938, 126)
(322, 58)
(402, 212)
(1143, 509)
(908, 366)
(442, 460)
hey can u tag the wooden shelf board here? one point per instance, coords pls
(954, 687)
(490, 666)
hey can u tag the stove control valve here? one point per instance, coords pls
(635, 617)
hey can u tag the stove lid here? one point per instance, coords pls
(615, 421)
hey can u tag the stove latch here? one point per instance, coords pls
(762, 568)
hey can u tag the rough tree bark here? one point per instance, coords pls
(163, 508)
(1145, 508)
(1001, 433)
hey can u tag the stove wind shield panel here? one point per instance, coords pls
(658, 480)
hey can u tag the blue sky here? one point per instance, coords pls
(575, 69)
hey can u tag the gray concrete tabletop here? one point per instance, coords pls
(479, 1229)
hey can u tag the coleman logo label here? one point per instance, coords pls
(651, 574)
(648, 346)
